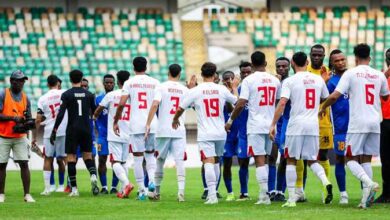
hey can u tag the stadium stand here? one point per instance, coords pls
(42, 41)
(299, 28)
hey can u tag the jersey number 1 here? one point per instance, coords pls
(212, 104)
(80, 104)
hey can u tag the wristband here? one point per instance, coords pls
(230, 121)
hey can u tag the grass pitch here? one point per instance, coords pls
(59, 206)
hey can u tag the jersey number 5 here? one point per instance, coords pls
(268, 95)
(310, 98)
(53, 109)
(142, 100)
(212, 107)
(369, 95)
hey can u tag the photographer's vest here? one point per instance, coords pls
(12, 108)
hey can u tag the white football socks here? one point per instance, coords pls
(159, 174)
(150, 165)
(211, 179)
(358, 171)
(262, 179)
(291, 179)
(181, 175)
(139, 172)
(46, 179)
(120, 172)
(320, 173)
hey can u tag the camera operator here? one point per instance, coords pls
(15, 121)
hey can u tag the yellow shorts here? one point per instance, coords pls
(326, 138)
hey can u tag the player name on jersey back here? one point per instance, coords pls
(140, 89)
(48, 105)
(170, 94)
(305, 91)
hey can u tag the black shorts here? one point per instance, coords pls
(82, 139)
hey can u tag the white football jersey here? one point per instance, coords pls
(111, 102)
(364, 86)
(49, 105)
(141, 89)
(305, 91)
(170, 94)
(261, 89)
(209, 99)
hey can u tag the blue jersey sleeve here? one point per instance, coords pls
(101, 122)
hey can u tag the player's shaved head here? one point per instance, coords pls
(174, 70)
(337, 61)
(227, 75)
(317, 55)
(245, 69)
(75, 76)
(122, 76)
(282, 65)
(140, 64)
(208, 69)
(108, 82)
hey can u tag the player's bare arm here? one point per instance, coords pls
(278, 113)
(97, 112)
(118, 113)
(329, 101)
(236, 112)
(152, 113)
(175, 121)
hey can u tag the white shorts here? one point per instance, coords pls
(176, 146)
(58, 149)
(118, 151)
(362, 143)
(304, 147)
(138, 143)
(259, 144)
(211, 149)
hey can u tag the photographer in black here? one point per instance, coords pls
(15, 121)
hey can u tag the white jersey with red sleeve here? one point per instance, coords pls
(261, 89)
(208, 99)
(141, 89)
(48, 106)
(305, 91)
(364, 86)
(170, 94)
(111, 102)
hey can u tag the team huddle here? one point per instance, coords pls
(300, 116)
